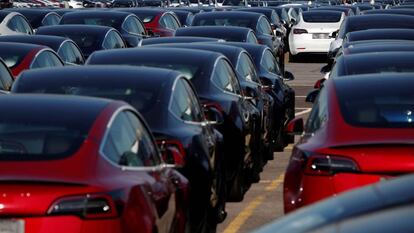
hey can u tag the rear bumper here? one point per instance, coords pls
(71, 224)
(303, 43)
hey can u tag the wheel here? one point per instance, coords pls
(236, 187)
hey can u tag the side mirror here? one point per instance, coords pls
(171, 154)
(213, 115)
(295, 127)
(267, 84)
(326, 68)
(311, 97)
(334, 34)
(319, 83)
(289, 76)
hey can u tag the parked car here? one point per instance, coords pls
(255, 21)
(14, 23)
(357, 134)
(64, 47)
(114, 188)
(178, 39)
(20, 56)
(217, 86)
(229, 33)
(170, 106)
(313, 32)
(354, 206)
(89, 38)
(129, 25)
(364, 22)
(158, 22)
(38, 17)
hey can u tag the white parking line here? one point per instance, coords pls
(303, 112)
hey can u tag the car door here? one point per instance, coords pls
(46, 58)
(130, 145)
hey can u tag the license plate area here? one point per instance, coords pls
(11, 226)
(320, 36)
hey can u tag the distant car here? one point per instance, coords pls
(256, 21)
(20, 56)
(124, 3)
(229, 33)
(397, 11)
(129, 25)
(374, 62)
(313, 31)
(158, 22)
(120, 183)
(364, 22)
(178, 39)
(358, 133)
(217, 86)
(185, 17)
(64, 47)
(6, 4)
(170, 106)
(14, 23)
(6, 77)
(38, 17)
(354, 206)
(89, 38)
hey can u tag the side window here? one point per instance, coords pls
(78, 54)
(131, 26)
(224, 77)
(50, 19)
(269, 63)
(194, 102)
(263, 26)
(319, 113)
(182, 103)
(163, 21)
(66, 53)
(113, 41)
(251, 38)
(46, 59)
(128, 143)
(6, 78)
(19, 24)
(246, 68)
(275, 18)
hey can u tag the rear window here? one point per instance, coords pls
(240, 22)
(36, 134)
(321, 17)
(385, 104)
(110, 22)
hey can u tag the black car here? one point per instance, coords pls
(378, 62)
(256, 21)
(129, 25)
(230, 33)
(380, 34)
(363, 207)
(170, 106)
(38, 17)
(216, 84)
(264, 110)
(396, 11)
(178, 39)
(6, 78)
(89, 38)
(271, 76)
(64, 47)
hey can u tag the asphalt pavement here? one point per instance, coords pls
(263, 203)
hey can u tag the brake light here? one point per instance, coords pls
(299, 31)
(88, 206)
(172, 145)
(326, 165)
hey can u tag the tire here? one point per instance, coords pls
(237, 187)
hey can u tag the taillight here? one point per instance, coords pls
(325, 165)
(175, 145)
(299, 31)
(88, 206)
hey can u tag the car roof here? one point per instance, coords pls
(214, 31)
(54, 42)
(381, 47)
(73, 28)
(229, 14)
(145, 10)
(401, 11)
(381, 33)
(381, 19)
(177, 39)
(381, 58)
(97, 13)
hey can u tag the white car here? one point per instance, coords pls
(14, 23)
(313, 31)
(75, 4)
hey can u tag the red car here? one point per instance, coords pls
(20, 56)
(360, 131)
(80, 164)
(157, 22)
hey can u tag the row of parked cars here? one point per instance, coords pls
(122, 120)
(358, 137)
